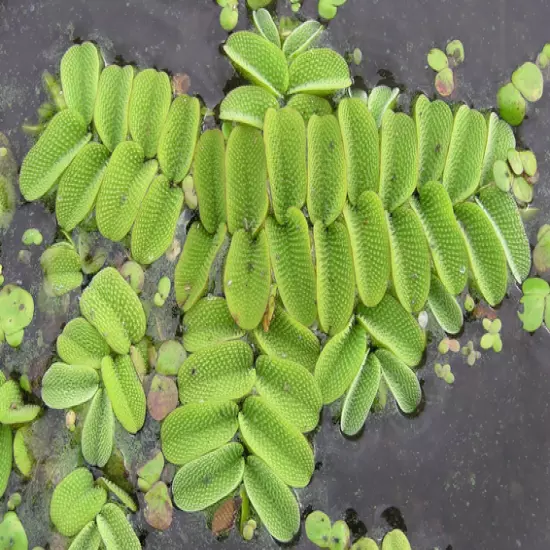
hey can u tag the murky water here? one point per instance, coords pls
(470, 471)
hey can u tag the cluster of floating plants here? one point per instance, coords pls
(443, 63)
(370, 216)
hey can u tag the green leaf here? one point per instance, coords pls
(502, 175)
(535, 292)
(319, 71)
(529, 81)
(380, 100)
(88, 538)
(522, 190)
(302, 39)
(445, 82)
(541, 253)
(99, 430)
(119, 493)
(116, 531)
(318, 527)
(266, 26)
(437, 60)
(248, 105)
(6, 457)
(455, 50)
(511, 105)
(395, 540)
(65, 386)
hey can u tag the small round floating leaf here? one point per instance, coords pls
(529, 162)
(220, 372)
(65, 386)
(229, 17)
(116, 531)
(158, 507)
(455, 51)
(318, 527)
(319, 71)
(248, 105)
(170, 357)
(266, 26)
(75, 502)
(522, 190)
(395, 540)
(12, 533)
(197, 428)
(339, 535)
(514, 159)
(445, 82)
(206, 480)
(273, 501)
(502, 175)
(529, 81)
(280, 444)
(437, 60)
(511, 105)
(133, 275)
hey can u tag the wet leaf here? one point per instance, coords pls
(487, 341)
(162, 398)
(318, 528)
(437, 60)
(455, 51)
(535, 292)
(444, 82)
(339, 536)
(528, 80)
(158, 510)
(502, 175)
(511, 105)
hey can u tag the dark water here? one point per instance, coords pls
(471, 472)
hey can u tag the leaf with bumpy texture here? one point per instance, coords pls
(246, 190)
(208, 479)
(247, 278)
(116, 531)
(286, 338)
(112, 104)
(434, 125)
(75, 502)
(319, 71)
(98, 431)
(279, 443)
(392, 327)
(88, 538)
(445, 307)
(79, 185)
(335, 276)
(291, 390)
(156, 221)
(302, 38)
(272, 500)
(465, 157)
(398, 159)
(285, 149)
(448, 250)
(113, 308)
(61, 265)
(380, 100)
(209, 322)
(308, 105)
(503, 213)
(361, 396)
(65, 386)
(194, 265)
(119, 493)
(6, 457)
(290, 252)
(361, 147)
(221, 372)
(327, 184)
(370, 245)
(248, 105)
(81, 344)
(63, 138)
(179, 137)
(258, 60)
(209, 179)
(79, 71)
(500, 139)
(125, 392)
(410, 258)
(125, 183)
(485, 252)
(395, 540)
(340, 361)
(266, 26)
(149, 104)
(190, 431)
(401, 380)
